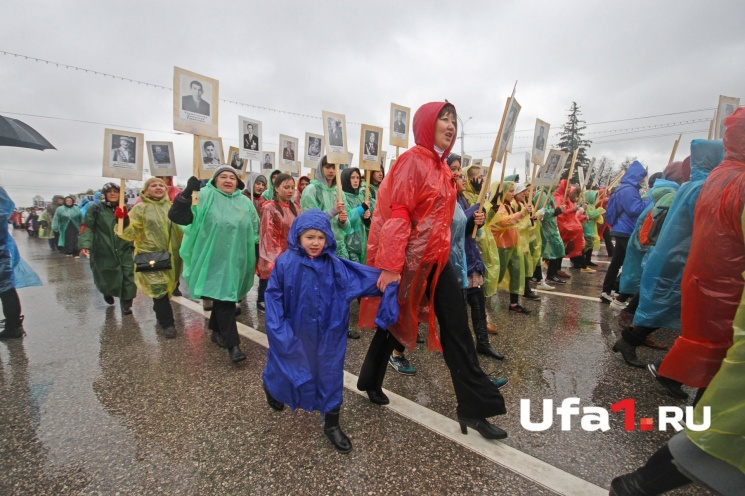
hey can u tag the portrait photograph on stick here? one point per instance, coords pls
(162, 161)
(208, 155)
(540, 138)
(195, 103)
(508, 129)
(123, 154)
(727, 105)
(313, 149)
(477, 162)
(335, 134)
(236, 162)
(249, 137)
(267, 161)
(465, 161)
(288, 146)
(370, 147)
(400, 116)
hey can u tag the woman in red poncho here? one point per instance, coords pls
(712, 281)
(277, 216)
(410, 240)
(570, 228)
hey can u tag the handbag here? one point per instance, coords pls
(154, 261)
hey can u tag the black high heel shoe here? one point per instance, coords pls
(482, 426)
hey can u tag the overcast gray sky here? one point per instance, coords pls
(617, 60)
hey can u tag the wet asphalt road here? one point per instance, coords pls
(95, 403)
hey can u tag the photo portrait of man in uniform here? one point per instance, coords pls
(210, 156)
(250, 140)
(124, 151)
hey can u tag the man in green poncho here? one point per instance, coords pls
(111, 257)
(552, 250)
(218, 249)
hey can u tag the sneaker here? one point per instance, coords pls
(605, 298)
(169, 331)
(533, 279)
(563, 274)
(588, 270)
(557, 280)
(500, 382)
(401, 365)
(617, 304)
(545, 287)
(352, 334)
(519, 309)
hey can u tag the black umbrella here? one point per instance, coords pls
(16, 133)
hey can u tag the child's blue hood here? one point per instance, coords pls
(311, 219)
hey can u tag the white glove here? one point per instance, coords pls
(581, 210)
(541, 213)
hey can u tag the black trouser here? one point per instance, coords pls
(636, 335)
(538, 272)
(163, 311)
(608, 242)
(11, 308)
(52, 244)
(476, 395)
(553, 268)
(588, 257)
(579, 262)
(222, 321)
(56, 241)
(71, 241)
(619, 255)
(633, 304)
(262, 289)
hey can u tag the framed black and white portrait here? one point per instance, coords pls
(335, 134)
(313, 149)
(288, 151)
(208, 155)
(236, 162)
(123, 154)
(370, 148)
(162, 161)
(400, 116)
(249, 138)
(267, 161)
(540, 140)
(195, 103)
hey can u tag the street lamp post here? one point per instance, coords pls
(462, 132)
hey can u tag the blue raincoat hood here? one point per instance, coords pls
(705, 155)
(312, 219)
(634, 174)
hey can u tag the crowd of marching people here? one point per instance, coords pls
(402, 246)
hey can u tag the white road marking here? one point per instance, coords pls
(533, 469)
(569, 295)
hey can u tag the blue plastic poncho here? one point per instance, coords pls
(307, 318)
(96, 200)
(458, 245)
(15, 273)
(659, 301)
(633, 264)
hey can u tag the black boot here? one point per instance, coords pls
(482, 426)
(236, 355)
(628, 352)
(13, 330)
(659, 475)
(332, 430)
(477, 301)
(126, 306)
(276, 405)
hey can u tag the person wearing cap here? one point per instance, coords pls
(219, 249)
(66, 221)
(147, 226)
(110, 256)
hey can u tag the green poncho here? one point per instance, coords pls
(110, 256)
(66, 217)
(268, 193)
(590, 227)
(152, 232)
(552, 245)
(322, 197)
(487, 246)
(219, 247)
(45, 220)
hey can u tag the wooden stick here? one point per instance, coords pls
(569, 177)
(396, 152)
(120, 222)
(532, 185)
(715, 135)
(548, 194)
(367, 186)
(711, 130)
(675, 149)
(495, 150)
(339, 195)
(195, 194)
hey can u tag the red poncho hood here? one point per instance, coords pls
(425, 121)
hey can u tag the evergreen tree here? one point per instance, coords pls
(572, 139)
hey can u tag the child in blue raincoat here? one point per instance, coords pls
(307, 317)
